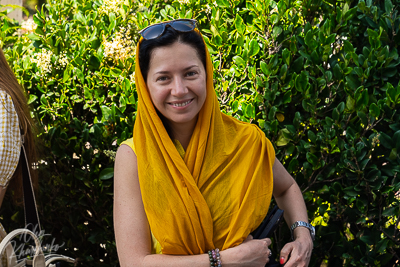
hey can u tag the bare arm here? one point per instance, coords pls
(289, 198)
(132, 231)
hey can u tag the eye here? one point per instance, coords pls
(161, 79)
(191, 73)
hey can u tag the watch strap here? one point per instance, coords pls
(303, 224)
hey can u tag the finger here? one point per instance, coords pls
(249, 237)
(267, 240)
(285, 252)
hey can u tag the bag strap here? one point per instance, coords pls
(38, 258)
(31, 214)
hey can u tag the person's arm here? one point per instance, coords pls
(289, 198)
(132, 231)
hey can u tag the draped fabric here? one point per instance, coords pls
(214, 196)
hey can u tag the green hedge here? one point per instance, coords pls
(321, 78)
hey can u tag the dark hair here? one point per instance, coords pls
(169, 37)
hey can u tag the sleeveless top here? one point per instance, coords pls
(10, 139)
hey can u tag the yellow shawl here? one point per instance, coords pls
(218, 193)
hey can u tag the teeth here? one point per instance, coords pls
(181, 104)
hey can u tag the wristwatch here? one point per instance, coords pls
(303, 224)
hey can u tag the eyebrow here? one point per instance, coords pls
(185, 69)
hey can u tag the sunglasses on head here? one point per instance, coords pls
(156, 30)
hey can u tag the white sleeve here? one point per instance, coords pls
(10, 139)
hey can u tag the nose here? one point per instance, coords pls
(179, 88)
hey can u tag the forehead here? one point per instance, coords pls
(174, 55)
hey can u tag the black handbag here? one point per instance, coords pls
(267, 227)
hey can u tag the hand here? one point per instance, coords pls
(299, 250)
(251, 253)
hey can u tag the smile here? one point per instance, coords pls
(182, 104)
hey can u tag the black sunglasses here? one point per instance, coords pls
(156, 30)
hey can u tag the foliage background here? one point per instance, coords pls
(321, 78)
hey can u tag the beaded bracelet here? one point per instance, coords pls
(215, 258)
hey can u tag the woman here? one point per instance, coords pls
(15, 125)
(193, 179)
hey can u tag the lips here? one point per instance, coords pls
(181, 104)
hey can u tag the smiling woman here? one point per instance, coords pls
(177, 85)
(193, 183)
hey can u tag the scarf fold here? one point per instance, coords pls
(218, 193)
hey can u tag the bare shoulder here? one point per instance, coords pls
(125, 163)
(125, 152)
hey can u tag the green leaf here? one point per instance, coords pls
(298, 64)
(94, 63)
(374, 110)
(282, 139)
(254, 48)
(113, 21)
(217, 40)
(276, 31)
(389, 211)
(80, 75)
(385, 140)
(239, 61)
(283, 72)
(311, 135)
(393, 154)
(66, 75)
(223, 3)
(301, 82)
(350, 191)
(363, 100)
(337, 72)
(271, 113)
(367, 239)
(312, 159)
(393, 93)
(331, 38)
(106, 173)
(293, 165)
(33, 37)
(363, 117)
(106, 111)
(264, 68)
(287, 97)
(239, 24)
(286, 56)
(235, 106)
(32, 98)
(372, 33)
(310, 42)
(382, 245)
(350, 103)
(250, 111)
(348, 47)
(388, 6)
(352, 82)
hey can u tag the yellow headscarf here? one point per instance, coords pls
(218, 193)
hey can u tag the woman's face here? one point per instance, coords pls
(177, 83)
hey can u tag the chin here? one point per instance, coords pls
(182, 119)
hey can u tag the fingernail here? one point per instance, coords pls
(282, 260)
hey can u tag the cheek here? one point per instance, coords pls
(156, 94)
